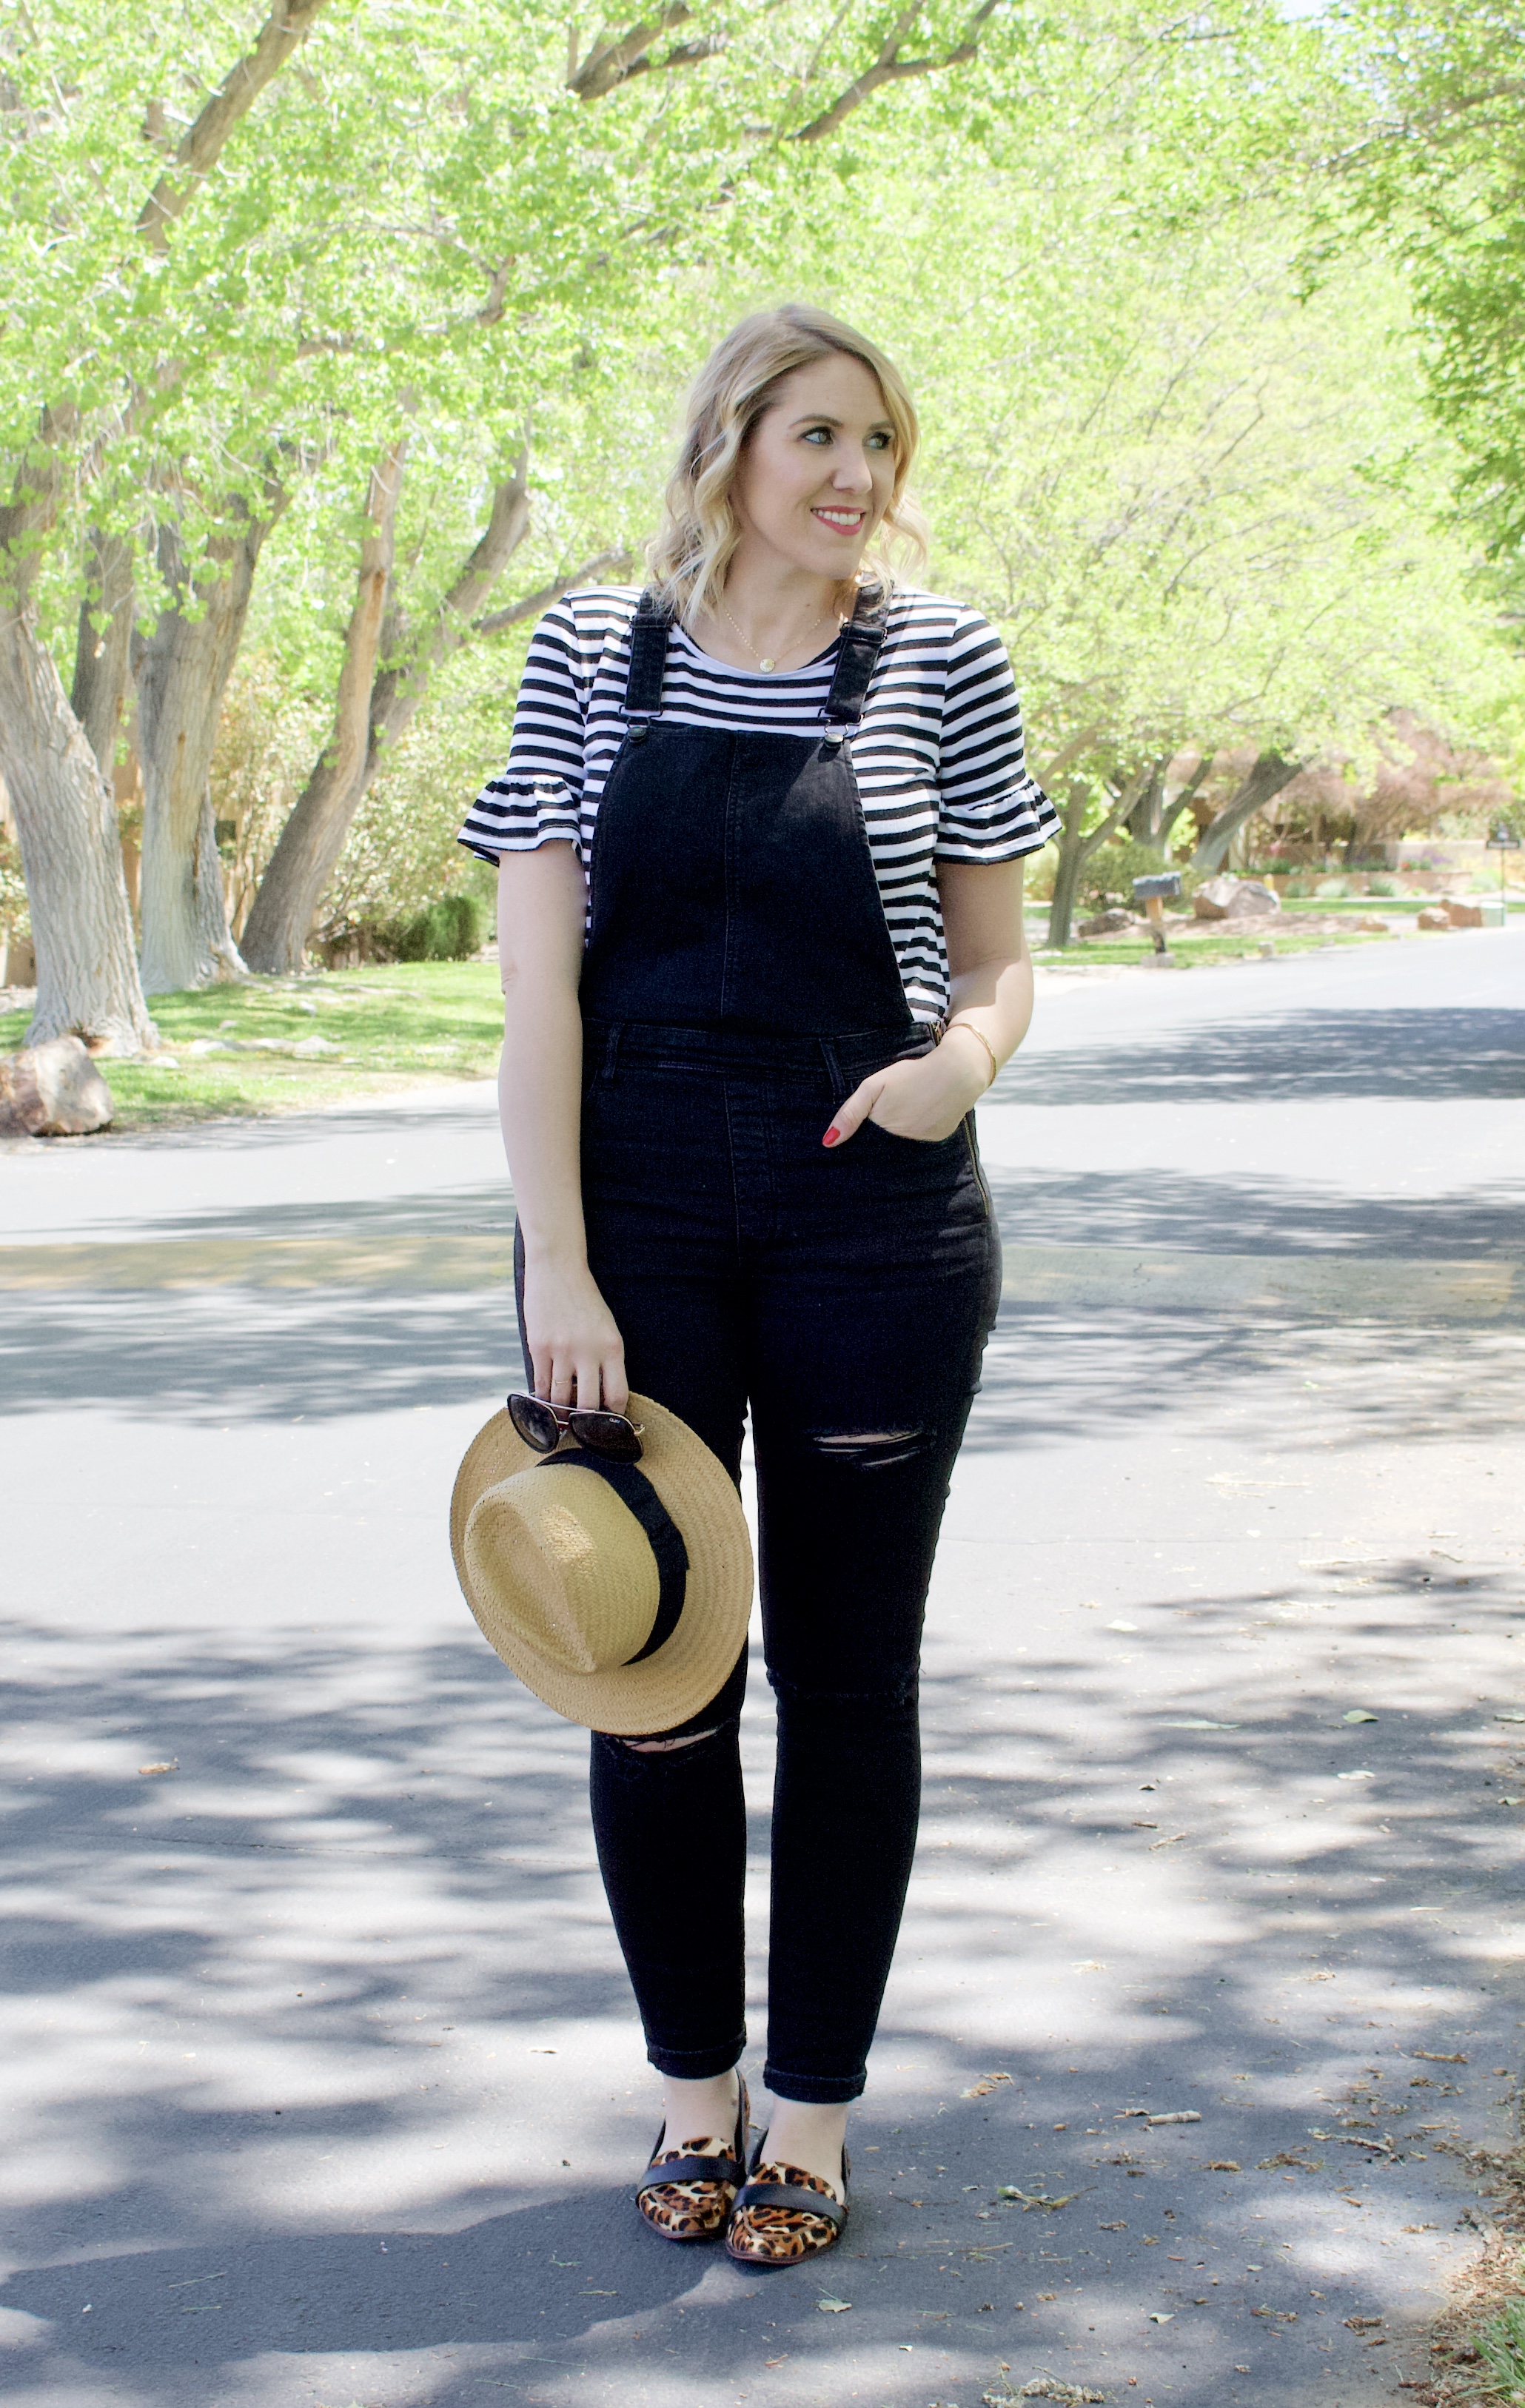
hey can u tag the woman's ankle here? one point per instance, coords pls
(698, 2111)
(809, 2137)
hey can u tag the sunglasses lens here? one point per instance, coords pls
(609, 1434)
(536, 1423)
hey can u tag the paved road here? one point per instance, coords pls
(1246, 1463)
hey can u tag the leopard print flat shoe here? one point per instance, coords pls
(783, 2214)
(686, 2194)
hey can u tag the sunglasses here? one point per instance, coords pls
(544, 1425)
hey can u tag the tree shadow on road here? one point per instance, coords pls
(1296, 1056)
(1291, 1387)
(1222, 1214)
(364, 1853)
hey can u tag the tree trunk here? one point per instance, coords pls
(313, 837)
(1172, 810)
(71, 850)
(103, 648)
(82, 927)
(182, 681)
(1144, 821)
(1061, 911)
(1269, 774)
(1075, 850)
(299, 870)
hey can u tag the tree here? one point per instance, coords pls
(181, 678)
(367, 258)
(1441, 171)
(1200, 502)
(87, 978)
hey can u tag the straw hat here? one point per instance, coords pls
(619, 1593)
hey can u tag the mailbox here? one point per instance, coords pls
(1154, 893)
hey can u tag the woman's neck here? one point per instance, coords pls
(770, 617)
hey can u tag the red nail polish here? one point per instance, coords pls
(832, 1136)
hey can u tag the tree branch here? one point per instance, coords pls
(1269, 774)
(533, 604)
(609, 63)
(1069, 753)
(201, 144)
(1188, 794)
(1132, 788)
(399, 690)
(889, 68)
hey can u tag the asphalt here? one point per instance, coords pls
(301, 1896)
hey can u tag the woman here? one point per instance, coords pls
(760, 839)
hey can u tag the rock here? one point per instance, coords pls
(311, 1047)
(1459, 914)
(52, 1089)
(1252, 901)
(1109, 924)
(1373, 926)
(1433, 918)
(1234, 899)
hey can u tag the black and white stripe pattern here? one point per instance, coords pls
(939, 752)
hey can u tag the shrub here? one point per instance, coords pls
(1108, 876)
(1381, 886)
(1042, 870)
(450, 929)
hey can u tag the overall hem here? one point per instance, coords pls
(696, 2064)
(813, 2090)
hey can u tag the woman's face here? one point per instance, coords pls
(817, 472)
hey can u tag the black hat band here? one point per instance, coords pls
(632, 1487)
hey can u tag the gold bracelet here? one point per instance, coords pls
(970, 1030)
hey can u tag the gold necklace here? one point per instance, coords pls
(749, 646)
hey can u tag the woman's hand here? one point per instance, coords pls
(926, 1098)
(575, 1353)
(992, 974)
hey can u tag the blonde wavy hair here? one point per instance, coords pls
(687, 558)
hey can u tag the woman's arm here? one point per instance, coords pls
(577, 1356)
(992, 995)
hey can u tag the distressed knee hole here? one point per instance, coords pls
(665, 1746)
(870, 1450)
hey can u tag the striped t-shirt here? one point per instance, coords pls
(938, 752)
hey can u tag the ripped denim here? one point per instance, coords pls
(842, 1297)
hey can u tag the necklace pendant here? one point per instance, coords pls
(767, 665)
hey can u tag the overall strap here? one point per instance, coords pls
(649, 633)
(862, 640)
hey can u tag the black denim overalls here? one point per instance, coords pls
(739, 981)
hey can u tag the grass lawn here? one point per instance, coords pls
(407, 1024)
(393, 1027)
(1193, 943)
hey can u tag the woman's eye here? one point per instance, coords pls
(818, 435)
(880, 442)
